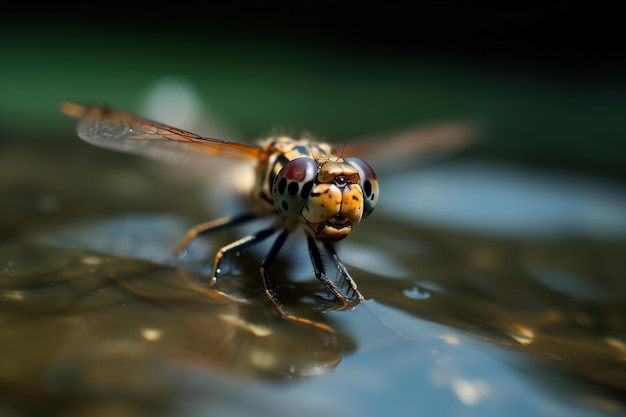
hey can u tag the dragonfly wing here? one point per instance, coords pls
(409, 147)
(109, 128)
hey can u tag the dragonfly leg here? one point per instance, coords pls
(356, 295)
(210, 226)
(269, 285)
(346, 292)
(236, 246)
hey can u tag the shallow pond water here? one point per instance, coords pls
(490, 290)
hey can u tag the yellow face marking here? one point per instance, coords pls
(323, 204)
(332, 169)
(335, 203)
(352, 203)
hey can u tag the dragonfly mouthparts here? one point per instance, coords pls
(330, 230)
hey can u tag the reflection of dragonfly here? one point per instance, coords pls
(299, 182)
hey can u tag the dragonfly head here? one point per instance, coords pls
(329, 195)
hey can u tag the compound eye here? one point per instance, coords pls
(368, 182)
(293, 184)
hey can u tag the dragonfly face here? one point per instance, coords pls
(328, 194)
(335, 202)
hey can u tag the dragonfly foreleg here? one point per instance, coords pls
(345, 290)
(237, 246)
(211, 226)
(269, 285)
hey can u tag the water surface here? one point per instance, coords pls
(490, 290)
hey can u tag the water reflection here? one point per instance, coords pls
(80, 323)
(559, 302)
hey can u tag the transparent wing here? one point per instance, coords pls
(409, 147)
(109, 128)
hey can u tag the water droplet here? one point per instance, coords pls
(416, 293)
(91, 260)
(151, 335)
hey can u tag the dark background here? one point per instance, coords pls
(546, 79)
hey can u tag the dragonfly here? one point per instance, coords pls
(300, 183)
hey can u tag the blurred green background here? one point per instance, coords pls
(548, 90)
